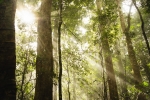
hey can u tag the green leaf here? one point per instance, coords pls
(145, 84)
(148, 65)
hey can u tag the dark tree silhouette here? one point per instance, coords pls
(7, 50)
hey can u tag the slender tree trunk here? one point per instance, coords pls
(147, 70)
(142, 26)
(59, 50)
(74, 85)
(44, 63)
(69, 94)
(7, 50)
(23, 76)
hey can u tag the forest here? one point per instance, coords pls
(74, 50)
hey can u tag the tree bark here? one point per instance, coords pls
(59, 50)
(7, 50)
(105, 95)
(132, 57)
(113, 93)
(109, 69)
(44, 63)
(69, 94)
(55, 49)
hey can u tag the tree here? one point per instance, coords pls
(7, 50)
(132, 57)
(25, 65)
(142, 26)
(59, 50)
(104, 21)
(89, 46)
(55, 49)
(44, 63)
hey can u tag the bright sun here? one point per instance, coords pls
(26, 16)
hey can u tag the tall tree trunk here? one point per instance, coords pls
(109, 69)
(105, 94)
(59, 50)
(55, 48)
(55, 85)
(107, 57)
(44, 63)
(132, 57)
(7, 50)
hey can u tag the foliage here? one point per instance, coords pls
(25, 73)
(83, 69)
(26, 58)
